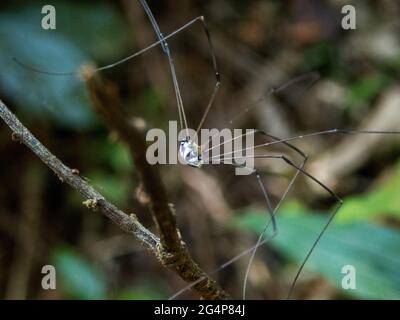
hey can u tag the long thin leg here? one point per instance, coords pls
(167, 51)
(305, 157)
(265, 193)
(308, 135)
(216, 72)
(336, 209)
(332, 131)
(230, 140)
(121, 61)
(261, 241)
(310, 77)
(221, 267)
(274, 226)
(276, 141)
(252, 249)
(163, 42)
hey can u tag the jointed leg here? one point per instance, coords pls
(336, 209)
(261, 240)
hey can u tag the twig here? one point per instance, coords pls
(68, 175)
(106, 102)
(173, 251)
(179, 261)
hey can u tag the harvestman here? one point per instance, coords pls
(193, 154)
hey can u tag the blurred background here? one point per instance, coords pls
(259, 45)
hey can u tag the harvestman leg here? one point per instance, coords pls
(289, 162)
(265, 194)
(259, 243)
(311, 78)
(308, 135)
(167, 51)
(305, 158)
(271, 212)
(336, 209)
(163, 42)
(301, 170)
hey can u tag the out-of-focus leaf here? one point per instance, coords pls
(149, 104)
(120, 157)
(97, 29)
(79, 279)
(396, 62)
(59, 98)
(114, 188)
(320, 56)
(382, 199)
(366, 88)
(62, 99)
(140, 293)
(114, 153)
(373, 250)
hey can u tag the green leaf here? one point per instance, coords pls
(114, 153)
(320, 55)
(383, 199)
(82, 31)
(78, 278)
(140, 293)
(149, 104)
(373, 250)
(368, 87)
(98, 30)
(114, 188)
(61, 99)
(120, 157)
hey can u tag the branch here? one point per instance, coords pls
(106, 102)
(68, 175)
(170, 250)
(173, 251)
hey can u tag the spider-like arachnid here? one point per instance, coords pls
(198, 155)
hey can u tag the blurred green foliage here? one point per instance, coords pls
(112, 153)
(114, 188)
(382, 199)
(321, 56)
(78, 278)
(82, 32)
(148, 292)
(372, 249)
(150, 107)
(366, 88)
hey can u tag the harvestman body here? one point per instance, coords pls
(193, 154)
(190, 152)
